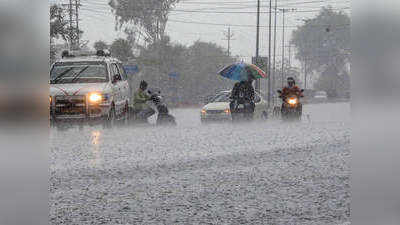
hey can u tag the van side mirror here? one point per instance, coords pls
(279, 91)
(116, 78)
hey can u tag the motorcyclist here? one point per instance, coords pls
(243, 93)
(140, 97)
(291, 89)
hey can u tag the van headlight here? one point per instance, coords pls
(95, 97)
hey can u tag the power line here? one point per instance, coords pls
(237, 12)
(223, 3)
(246, 25)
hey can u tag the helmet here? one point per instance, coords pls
(291, 81)
(143, 85)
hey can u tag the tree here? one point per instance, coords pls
(323, 43)
(58, 23)
(58, 28)
(100, 45)
(323, 39)
(121, 49)
(148, 17)
(185, 74)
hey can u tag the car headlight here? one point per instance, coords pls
(95, 97)
(227, 111)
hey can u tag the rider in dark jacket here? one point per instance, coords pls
(243, 93)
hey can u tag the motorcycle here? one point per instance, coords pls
(291, 106)
(157, 104)
(163, 116)
(241, 110)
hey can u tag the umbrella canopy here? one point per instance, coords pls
(242, 71)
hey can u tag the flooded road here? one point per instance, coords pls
(266, 172)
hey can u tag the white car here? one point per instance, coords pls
(320, 96)
(88, 89)
(218, 108)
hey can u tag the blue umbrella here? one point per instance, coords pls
(242, 71)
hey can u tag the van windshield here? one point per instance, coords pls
(79, 72)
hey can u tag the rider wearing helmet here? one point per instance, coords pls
(140, 98)
(292, 88)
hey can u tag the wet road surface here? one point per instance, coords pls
(266, 172)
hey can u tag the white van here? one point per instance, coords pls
(88, 89)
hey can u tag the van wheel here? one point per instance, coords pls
(126, 115)
(109, 122)
(264, 115)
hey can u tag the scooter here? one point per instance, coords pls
(292, 109)
(163, 116)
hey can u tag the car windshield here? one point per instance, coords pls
(222, 98)
(320, 93)
(79, 72)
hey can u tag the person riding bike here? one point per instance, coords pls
(243, 93)
(291, 89)
(140, 97)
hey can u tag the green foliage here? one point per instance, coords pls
(324, 44)
(100, 45)
(323, 39)
(121, 49)
(150, 16)
(196, 66)
(58, 23)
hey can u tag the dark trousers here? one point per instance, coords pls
(248, 111)
(146, 113)
(142, 115)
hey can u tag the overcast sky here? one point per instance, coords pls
(185, 27)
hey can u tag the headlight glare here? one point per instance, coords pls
(292, 101)
(95, 97)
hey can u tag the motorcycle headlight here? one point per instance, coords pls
(292, 101)
(95, 97)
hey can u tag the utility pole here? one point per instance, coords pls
(274, 75)
(290, 55)
(71, 29)
(229, 37)
(283, 43)
(305, 73)
(258, 42)
(74, 32)
(269, 54)
(77, 4)
(283, 47)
